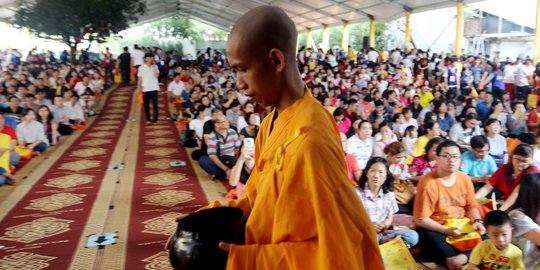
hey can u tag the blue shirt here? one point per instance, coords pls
(482, 109)
(445, 123)
(477, 168)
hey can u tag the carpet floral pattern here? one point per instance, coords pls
(43, 229)
(161, 194)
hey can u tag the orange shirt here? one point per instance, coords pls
(352, 168)
(438, 202)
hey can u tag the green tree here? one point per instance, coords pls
(357, 32)
(168, 33)
(176, 26)
(71, 21)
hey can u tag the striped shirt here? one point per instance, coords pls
(226, 145)
(378, 207)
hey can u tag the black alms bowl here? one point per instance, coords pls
(195, 243)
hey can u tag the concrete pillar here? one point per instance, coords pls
(308, 38)
(459, 28)
(345, 36)
(372, 32)
(407, 30)
(325, 45)
(536, 58)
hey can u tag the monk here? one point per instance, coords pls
(302, 212)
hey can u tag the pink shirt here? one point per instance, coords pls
(345, 125)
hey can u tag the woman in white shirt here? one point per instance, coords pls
(242, 123)
(31, 133)
(497, 143)
(362, 144)
(97, 83)
(197, 124)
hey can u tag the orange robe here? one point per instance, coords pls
(302, 211)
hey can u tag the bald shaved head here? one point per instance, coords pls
(264, 28)
(261, 49)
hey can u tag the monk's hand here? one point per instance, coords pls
(168, 245)
(225, 246)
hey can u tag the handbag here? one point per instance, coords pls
(140, 99)
(404, 191)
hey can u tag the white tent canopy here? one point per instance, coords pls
(305, 13)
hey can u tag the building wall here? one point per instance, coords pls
(436, 30)
(512, 48)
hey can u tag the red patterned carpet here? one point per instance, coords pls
(161, 193)
(45, 226)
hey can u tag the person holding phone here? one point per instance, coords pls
(244, 166)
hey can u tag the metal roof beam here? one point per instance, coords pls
(345, 6)
(294, 14)
(205, 11)
(211, 8)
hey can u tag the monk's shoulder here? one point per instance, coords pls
(315, 118)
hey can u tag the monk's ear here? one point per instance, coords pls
(277, 59)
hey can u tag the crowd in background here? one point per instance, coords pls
(397, 110)
(405, 118)
(42, 100)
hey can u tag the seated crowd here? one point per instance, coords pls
(41, 101)
(425, 134)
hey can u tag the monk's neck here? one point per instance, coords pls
(292, 92)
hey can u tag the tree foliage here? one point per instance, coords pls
(357, 32)
(175, 26)
(183, 27)
(71, 21)
(168, 33)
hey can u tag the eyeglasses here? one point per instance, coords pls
(450, 157)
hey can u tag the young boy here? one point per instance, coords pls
(497, 252)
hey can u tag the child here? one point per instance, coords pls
(497, 252)
(375, 191)
(409, 139)
(403, 187)
(398, 124)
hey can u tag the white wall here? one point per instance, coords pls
(512, 48)
(435, 30)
